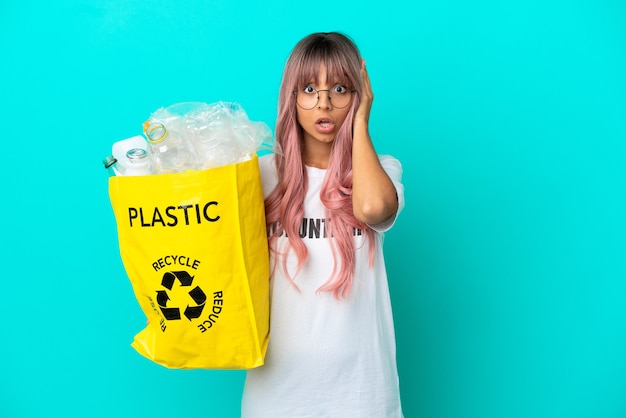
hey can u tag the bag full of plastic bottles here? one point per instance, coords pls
(188, 203)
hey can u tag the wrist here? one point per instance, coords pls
(361, 120)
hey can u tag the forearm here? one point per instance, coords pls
(374, 198)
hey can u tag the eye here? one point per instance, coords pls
(309, 89)
(340, 89)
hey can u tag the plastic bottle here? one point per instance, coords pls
(110, 163)
(168, 151)
(137, 162)
(214, 137)
(120, 153)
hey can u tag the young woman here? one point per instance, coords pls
(328, 198)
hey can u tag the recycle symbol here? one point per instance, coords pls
(196, 294)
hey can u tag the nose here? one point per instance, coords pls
(325, 102)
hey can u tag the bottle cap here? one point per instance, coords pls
(136, 155)
(109, 161)
(155, 132)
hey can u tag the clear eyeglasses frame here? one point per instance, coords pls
(308, 97)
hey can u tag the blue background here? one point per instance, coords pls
(507, 268)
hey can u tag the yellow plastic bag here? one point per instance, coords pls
(194, 246)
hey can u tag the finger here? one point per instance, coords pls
(367, 87)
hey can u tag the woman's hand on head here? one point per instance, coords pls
(367, 96)
(374, 198)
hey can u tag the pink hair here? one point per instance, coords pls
(285, 204)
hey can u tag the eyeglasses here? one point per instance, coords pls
(308, 97)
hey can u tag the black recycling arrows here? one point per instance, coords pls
(170, 277)
(168, 313)
(199, 297)
(196, 294)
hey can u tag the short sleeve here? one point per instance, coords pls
(269, 177)
(393, 168)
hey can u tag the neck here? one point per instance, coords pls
(317, 155)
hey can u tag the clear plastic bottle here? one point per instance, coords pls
(214, 138)
(110, 163)
(169, 152)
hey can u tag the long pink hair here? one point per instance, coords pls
(285, 204)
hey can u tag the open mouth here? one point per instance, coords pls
(325, 125)
(324, 122)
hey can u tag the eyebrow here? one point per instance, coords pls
(334, 83)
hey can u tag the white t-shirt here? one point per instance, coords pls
(327, 357)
